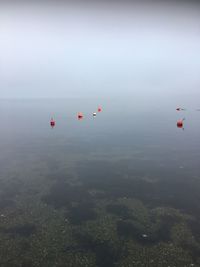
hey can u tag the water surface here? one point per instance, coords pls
(120, 189)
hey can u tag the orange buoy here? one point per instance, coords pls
(52, 123)
(80, 116)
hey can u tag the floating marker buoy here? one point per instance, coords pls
(179, 109)
(80, 116)
(52, 123)
(99, 109)
(180, 123)
(94, 114)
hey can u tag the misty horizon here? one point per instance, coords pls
(99, 50)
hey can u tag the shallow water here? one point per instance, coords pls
(120, 189)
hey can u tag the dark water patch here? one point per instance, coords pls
(96, 170)
(194, 226)
(106, 254)
(62, 194)
(52, 163)
(25, 230)
(129, 168)
(74, 249)
(180, 194)
(32, 191)
(10, 264)
(10, 189)
(25, 244)
(56, 176)
(163, 225)
(27, 263)
(109, 177)
(164, 229)
(170, 216)
(135, 231)
(82, 213)
(120, 210)
(145, 236)
(116, 186)
(193, 249)
(6, 203)
(59, 176)
(128, 230)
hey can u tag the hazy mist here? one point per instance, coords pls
(100, 50)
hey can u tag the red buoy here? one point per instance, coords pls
(180, 123)
(52, 123)
(80, 116)
(99, 109)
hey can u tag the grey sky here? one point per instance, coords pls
(99, 50)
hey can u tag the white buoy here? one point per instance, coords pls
(94, 114)
(144, 236)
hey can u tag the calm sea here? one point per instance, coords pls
(118, 189)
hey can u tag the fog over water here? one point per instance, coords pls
(144, 51)
(118, 189)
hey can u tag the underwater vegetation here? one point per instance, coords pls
(98, 215)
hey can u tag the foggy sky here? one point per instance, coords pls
(63, 50)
